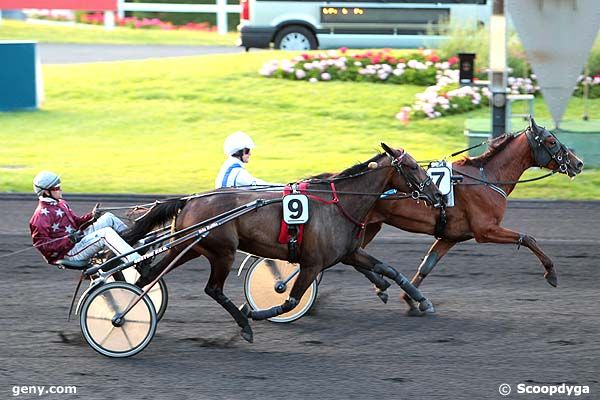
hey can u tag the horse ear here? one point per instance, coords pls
(532, 124)
(387, 149)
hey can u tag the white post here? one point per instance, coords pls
(109, 20)
(222, 17)
(498, 67)
(120, 10)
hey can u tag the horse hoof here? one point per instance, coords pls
(383, 296)
(426, 306)
(551, 278)
(247, 334)
(414, 312)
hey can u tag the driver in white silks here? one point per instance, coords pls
(233, 173)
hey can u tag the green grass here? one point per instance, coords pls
(80, 33)
(158, 127)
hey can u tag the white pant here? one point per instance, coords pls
(106, 220)
(103, 233)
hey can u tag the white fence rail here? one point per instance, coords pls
(221, 8)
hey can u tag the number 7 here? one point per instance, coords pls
(439, 176)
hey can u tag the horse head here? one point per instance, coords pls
(416, 180)
(549, 152)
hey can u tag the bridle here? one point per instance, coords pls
(413, 183)
(543, 154)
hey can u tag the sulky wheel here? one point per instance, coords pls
(110, 335)
(265, 287)
(158, 294)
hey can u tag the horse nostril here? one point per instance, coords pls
(438, 196)
(580, 165)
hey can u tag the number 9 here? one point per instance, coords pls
(295, 207)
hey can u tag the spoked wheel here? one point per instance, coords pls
(265, 286)
(108, 333)
(158, 294)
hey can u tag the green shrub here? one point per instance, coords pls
(177, 18)
(594, 59)
(463, 39)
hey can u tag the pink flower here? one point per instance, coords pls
(453, 60)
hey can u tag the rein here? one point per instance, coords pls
(486, 182)
(30, 247)
(335, 200)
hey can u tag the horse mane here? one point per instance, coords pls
(495, 146)
(347, 173)
(324, 175)
(360, 167)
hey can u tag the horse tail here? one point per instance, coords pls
(158, 215)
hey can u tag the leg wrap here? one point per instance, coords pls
(375, 279)
(401, 280)
(274, 311)
(224, 301)
(428, 263)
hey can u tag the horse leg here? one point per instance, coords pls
(305, 278)
(433, 256)
(220, 266)
(380, 283)
(498, 234)
(360, 258)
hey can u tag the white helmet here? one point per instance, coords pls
(45, 180)
(237, 141)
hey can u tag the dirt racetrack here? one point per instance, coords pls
(497, 321)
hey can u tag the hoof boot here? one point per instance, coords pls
(426, 306)
(247, 334)
(383, 296)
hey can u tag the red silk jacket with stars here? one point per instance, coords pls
(53, 220)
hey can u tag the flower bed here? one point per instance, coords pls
(371, 66)
(593, 85)
(443, 95)
(446, 97)
(144, 23)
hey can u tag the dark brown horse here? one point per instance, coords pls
(479, 207)
(333, 233)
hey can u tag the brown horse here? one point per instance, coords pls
(333, 233)
(481, 200)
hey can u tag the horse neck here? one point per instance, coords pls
(373, 182)
(510, 163)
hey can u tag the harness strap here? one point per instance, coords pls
(440, 225)
(495, 188)
(227, 173)
(335, 200)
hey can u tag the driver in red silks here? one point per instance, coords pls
(59, 234)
